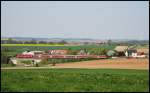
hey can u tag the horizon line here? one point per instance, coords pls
(71, 37)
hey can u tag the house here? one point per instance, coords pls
(121, 50)
(28, 53)
(38, 52)
(126, 51)
(81, 52)
(143, 51)
(32, 52)
(13, 61)
(58, 52)
(131, 52)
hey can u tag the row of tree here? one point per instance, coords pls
(91, 51)
(33, 41)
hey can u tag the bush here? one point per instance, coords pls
(53, 64)
(111, 53)
(37, 65)
(8, 65)
(44, 62)
(5, 58)
(56, 61)
(26, 61)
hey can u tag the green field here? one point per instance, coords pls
(21, 47)
(83, 80)
(13, 50)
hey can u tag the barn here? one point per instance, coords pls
(121, 50)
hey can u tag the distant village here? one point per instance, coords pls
(119, 51)
(122, 49)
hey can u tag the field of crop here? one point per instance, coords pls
(83, 80)
(53, 46)
(10, 49)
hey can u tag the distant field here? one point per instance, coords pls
(18, 48)
(144, 46)
(74, 80)
(32, 44)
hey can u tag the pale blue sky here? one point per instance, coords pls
(76, 19)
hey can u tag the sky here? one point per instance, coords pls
(75, 19)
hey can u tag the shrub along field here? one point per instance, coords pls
(57, 61)
(74, 80)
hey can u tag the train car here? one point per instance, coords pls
(38, 56)
(81, 56)
(92, 56)
(57, 56)
(101, 56)
(24, 56)
(45, 56)
(70, 56)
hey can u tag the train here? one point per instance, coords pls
(60, 56)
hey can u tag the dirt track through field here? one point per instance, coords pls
(118, 63)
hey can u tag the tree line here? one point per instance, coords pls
(33, 41)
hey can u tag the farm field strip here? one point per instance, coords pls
(74, 80)
(79, 67)
(119, 63)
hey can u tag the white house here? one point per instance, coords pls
(14, 61)
(28, 53)
(32, 52)
(131, 53)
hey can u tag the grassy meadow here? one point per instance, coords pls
(74, 80)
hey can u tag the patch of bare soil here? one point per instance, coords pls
(118, 63)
